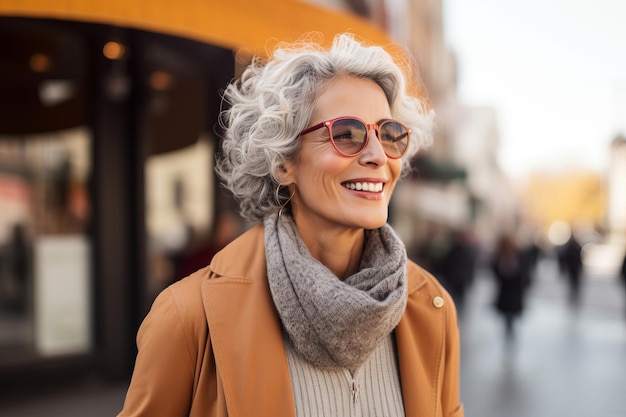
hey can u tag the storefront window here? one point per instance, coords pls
(45, 249)
(179, 203)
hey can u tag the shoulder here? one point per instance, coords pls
(425, 290)
(179, 310)
(423, 281)
(243, 257)
(186, 293)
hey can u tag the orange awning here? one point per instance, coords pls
(251, 25)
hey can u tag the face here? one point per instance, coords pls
(331, 190)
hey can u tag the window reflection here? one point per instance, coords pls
(179, 189)
(44, 248)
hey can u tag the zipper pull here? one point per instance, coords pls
(355, 391)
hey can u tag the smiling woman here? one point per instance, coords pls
(319, 292)
(330, 188)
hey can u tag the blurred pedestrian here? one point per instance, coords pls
(623, 275)
(572, 263)
(19, 270)
(457, 267)
(533, 252)
(319, 293)
(510, 269)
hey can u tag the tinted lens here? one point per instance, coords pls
(349, 135)
(394, 137)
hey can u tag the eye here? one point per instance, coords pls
(348, 130)
(393, 132)
(343, 133)
(396, 138)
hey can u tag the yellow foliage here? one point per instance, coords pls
(569, 197)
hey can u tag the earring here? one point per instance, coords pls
(278, 198)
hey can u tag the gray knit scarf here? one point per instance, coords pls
(333, 323)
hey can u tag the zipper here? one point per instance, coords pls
(355, 391)
(353, 381)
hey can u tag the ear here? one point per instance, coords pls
(286, 173)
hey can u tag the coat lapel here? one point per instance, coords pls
(245, 331)
(420, 351)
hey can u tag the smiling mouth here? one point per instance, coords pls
(374, 187)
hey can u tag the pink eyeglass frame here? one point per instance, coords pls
(376, 126)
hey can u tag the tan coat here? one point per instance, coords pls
(237, 366)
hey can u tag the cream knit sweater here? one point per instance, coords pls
(372, 390)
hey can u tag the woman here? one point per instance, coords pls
(315, 311)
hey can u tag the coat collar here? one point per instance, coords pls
(246, 335)
(245, 331)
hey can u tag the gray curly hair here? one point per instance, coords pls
(273, 101)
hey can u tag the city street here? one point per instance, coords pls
(563, 362)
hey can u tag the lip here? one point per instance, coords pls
(362, 187)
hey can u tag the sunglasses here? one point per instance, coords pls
(349, 135)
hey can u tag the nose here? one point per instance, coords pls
(373, 154)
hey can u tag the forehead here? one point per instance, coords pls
(350, 96)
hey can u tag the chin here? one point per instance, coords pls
(374, 223)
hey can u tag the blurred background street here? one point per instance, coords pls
(108, 137)
(562, 362)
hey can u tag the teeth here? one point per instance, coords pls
(365, 186)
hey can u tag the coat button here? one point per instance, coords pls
(438, 302)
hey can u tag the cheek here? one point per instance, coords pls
(321, 168)
(395, 167)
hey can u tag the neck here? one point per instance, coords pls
(338, 250)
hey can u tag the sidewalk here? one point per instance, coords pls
(563, 363)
